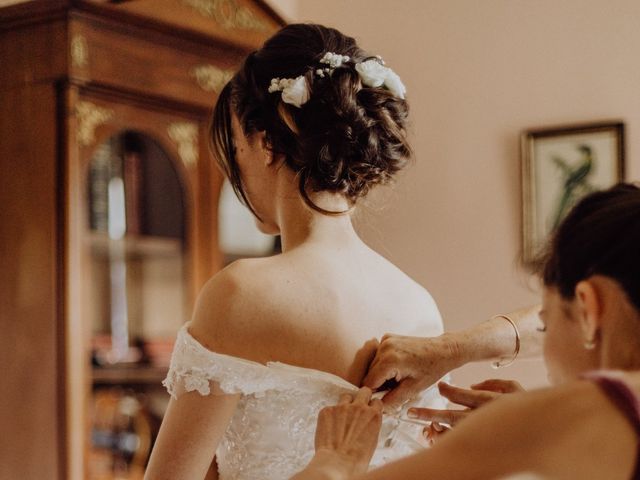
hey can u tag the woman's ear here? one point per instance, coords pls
(265, 148)
(589, 311)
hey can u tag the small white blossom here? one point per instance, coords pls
(275, 85)
(334, 60)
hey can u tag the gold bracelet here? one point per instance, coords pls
(499, 364)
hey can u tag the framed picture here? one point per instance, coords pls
(559, 167)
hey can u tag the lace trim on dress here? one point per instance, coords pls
(194, 367)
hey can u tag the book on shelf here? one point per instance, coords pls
(133, 184)
(99, 176)
(113, 160)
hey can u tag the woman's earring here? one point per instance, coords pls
(590, 344)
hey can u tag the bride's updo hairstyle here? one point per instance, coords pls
(346, 137)
(600, 236)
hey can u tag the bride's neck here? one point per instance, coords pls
(300, 225)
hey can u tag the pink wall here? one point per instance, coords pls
(477, 74)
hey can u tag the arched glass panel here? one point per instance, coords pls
(137, 296)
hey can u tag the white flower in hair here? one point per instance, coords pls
(375, 74)
(295, 91)
(372, 73)
(275, 85)
(394, 84)
(334, 60)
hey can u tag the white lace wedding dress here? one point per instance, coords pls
(271, 435)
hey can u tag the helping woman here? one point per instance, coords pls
(586, 426)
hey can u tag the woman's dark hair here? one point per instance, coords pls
(346, 138)
(600, 236)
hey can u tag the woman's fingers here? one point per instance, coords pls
(386, 363)
(363, 396)
(438, 427)
(434, 430)
(386, 336)
(406, 390)
(350, 430)
(500, 386)
(377, 404)
(480, 394)
(379, 372)
(465, 397)
(450, 417)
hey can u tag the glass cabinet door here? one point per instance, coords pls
(137, 290)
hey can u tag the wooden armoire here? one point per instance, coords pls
(76, 75)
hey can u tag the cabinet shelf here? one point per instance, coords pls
(136, 246)
(118, 375)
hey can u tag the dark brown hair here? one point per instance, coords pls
(600, 236)
(346, 138)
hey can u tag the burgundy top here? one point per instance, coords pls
(624, 397)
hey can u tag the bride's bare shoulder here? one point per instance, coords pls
(412, 300)
(238, 309)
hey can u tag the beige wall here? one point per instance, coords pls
(288, 9)
(477, 74)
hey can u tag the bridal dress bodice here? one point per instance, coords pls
(271, 434)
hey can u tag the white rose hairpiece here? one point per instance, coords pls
(375, 74)
(295, 91)
(372, 72)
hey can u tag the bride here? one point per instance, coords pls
(308, 125)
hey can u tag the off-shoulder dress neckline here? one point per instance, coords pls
(276, 367)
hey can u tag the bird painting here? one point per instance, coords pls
(575, 183)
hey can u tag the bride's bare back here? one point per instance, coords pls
(313, 307)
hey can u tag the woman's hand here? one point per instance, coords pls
(350, 429)
(346, 437)
(479, 394)
(414, 362)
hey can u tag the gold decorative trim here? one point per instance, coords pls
(185, 134)
(89, 117)
(210, 78)
(228, 14)
(79, 51)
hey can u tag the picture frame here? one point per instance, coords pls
(560, 165)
